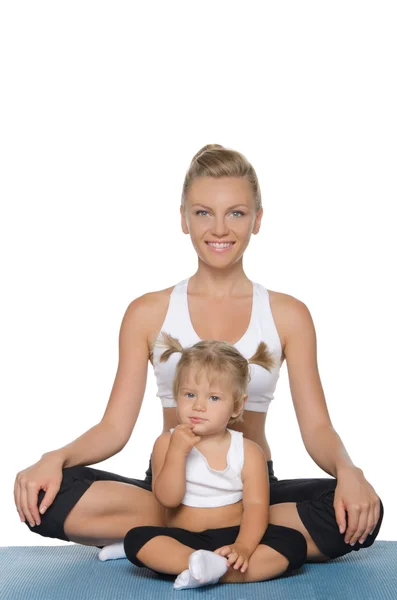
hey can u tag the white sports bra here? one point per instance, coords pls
(177, 323)
(207, 487)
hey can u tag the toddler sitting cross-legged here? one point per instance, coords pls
(213, 483)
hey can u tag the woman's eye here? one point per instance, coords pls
(216, 397)
(234, 212)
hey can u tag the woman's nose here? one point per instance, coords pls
(220, 227)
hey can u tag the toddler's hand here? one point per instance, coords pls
(235, 555)
(183, 439)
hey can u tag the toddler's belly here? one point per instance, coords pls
(199, 519)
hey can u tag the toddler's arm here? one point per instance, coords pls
(169, 464)
(256, 497)
(169, 472)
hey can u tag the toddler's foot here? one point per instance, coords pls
(205, 568)
(112, 551)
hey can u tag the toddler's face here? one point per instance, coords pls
(206, 400)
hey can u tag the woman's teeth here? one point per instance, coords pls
(220, 245)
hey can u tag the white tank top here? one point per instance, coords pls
(207, 487)
(177, 323)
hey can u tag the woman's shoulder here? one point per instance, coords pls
(150, 301)
(286, 305)
(150, 309)
(287, 310)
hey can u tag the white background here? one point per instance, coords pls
(103, 105)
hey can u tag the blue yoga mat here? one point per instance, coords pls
(74, 572)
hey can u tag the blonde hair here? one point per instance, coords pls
(216, 357)
(214, 160)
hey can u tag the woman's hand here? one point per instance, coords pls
(355, 495)
(237, 556)
(46, 474)
(183, 439)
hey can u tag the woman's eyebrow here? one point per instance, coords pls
(229, 208)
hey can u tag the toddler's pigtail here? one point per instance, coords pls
(172, 344)
(263, 357)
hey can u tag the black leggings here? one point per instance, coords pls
(314, 502)
(289, 542)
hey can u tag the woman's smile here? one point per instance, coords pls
(219, 247)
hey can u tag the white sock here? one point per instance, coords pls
(205, 568)
(185, 580)
(112, 551)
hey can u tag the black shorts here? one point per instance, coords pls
(313, 497)
(289, 542)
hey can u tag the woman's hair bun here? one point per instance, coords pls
(207, 147)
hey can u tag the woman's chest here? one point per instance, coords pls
(225, 320)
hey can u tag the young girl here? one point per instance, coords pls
(213, 483)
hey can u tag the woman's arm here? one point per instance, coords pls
(353, 494)
(319, 437)
(112, 433)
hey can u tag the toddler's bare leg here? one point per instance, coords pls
(165, 555)
(265, 563)
(108, 509)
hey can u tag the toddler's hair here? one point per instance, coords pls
(216, 357)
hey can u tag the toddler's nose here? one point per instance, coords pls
(199, 405)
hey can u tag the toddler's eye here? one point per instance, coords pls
(189, 394)
(216, 397)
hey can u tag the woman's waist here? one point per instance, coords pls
(194, 518)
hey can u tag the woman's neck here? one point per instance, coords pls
(220, 282)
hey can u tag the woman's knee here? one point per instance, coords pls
(369, 540)
(289, 542)
(325, 531)
(52, 522)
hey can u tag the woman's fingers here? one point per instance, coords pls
(17, 498)
(352, 522)
(357, 522)
(361, 526)
(25, 507)
(370, 526)
(33, 498)
(376, 514)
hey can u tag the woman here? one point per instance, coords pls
(220, 209)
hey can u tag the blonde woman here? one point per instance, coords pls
(220, 209)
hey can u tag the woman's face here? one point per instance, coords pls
(220, 217)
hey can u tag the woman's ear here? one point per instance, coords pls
(184, 224)
(257, 223)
